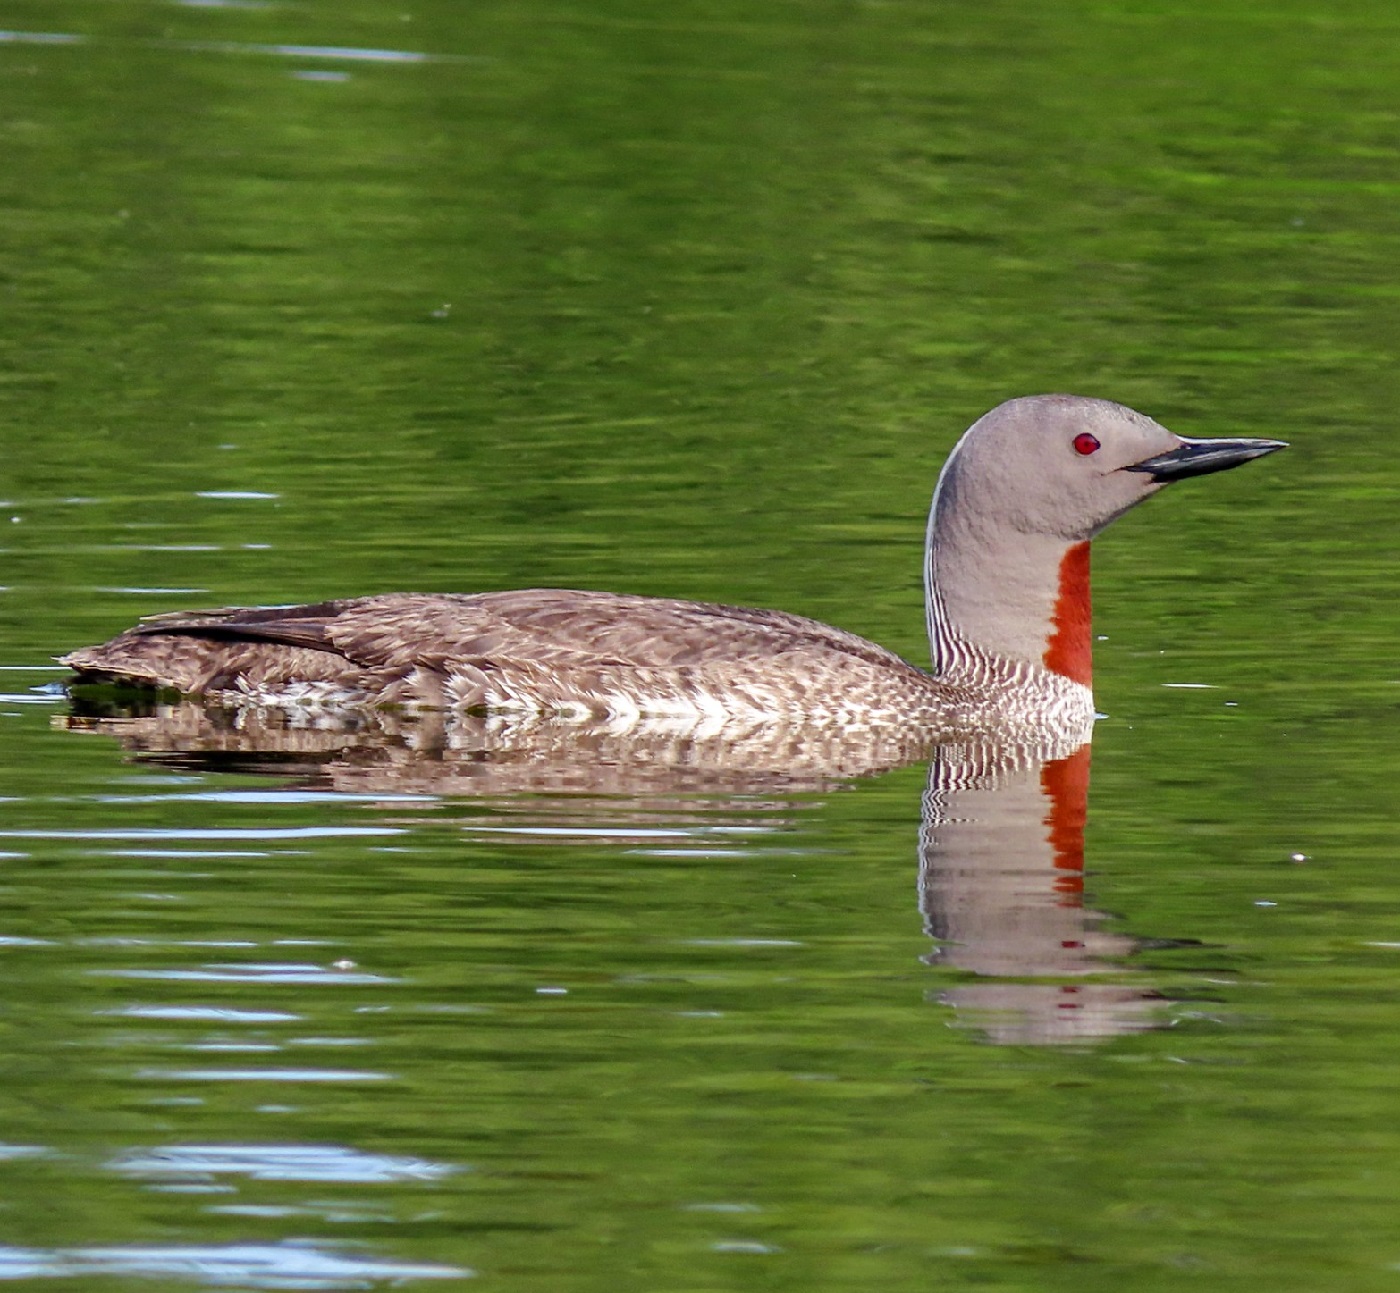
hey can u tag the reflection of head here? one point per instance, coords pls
(1046, 1014)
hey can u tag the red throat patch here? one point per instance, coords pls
(1070, 650)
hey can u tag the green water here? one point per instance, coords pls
(691, 300)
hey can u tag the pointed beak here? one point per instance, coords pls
(1201, 457)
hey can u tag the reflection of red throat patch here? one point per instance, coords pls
(1065, 782)
(1070, 651)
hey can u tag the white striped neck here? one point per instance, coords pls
(997, 598)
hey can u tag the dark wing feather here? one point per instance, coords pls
(177, 621)
(248, 625)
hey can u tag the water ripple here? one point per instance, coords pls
(339, 53)
(39, 38)
(208, 833)
(205, 1014)
(277, 1163)
(234, 494)
(293, 1264)
(253, 972)
(350, 53)
(263, 1075)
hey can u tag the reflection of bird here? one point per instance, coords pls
(1001, 877)
(1007, 584)
(446, 752)
(1021, 957)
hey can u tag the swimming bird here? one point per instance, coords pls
(1006, 580)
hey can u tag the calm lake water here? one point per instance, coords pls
(305, 300)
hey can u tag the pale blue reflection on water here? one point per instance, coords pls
(254, 973)
(276, 1163)
(290, 1265)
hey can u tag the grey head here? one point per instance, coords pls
(1067, 466)
(1029, 482)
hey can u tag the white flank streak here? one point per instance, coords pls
(623, 713)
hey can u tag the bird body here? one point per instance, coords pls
(569, 652)
(1007, 595)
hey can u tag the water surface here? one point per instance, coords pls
(310, 300)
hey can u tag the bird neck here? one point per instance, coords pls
(1019, 598)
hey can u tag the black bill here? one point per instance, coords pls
(1201, 457)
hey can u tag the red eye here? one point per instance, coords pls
(1086, 444)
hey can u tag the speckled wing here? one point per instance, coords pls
(540, 631)
(569, 629)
